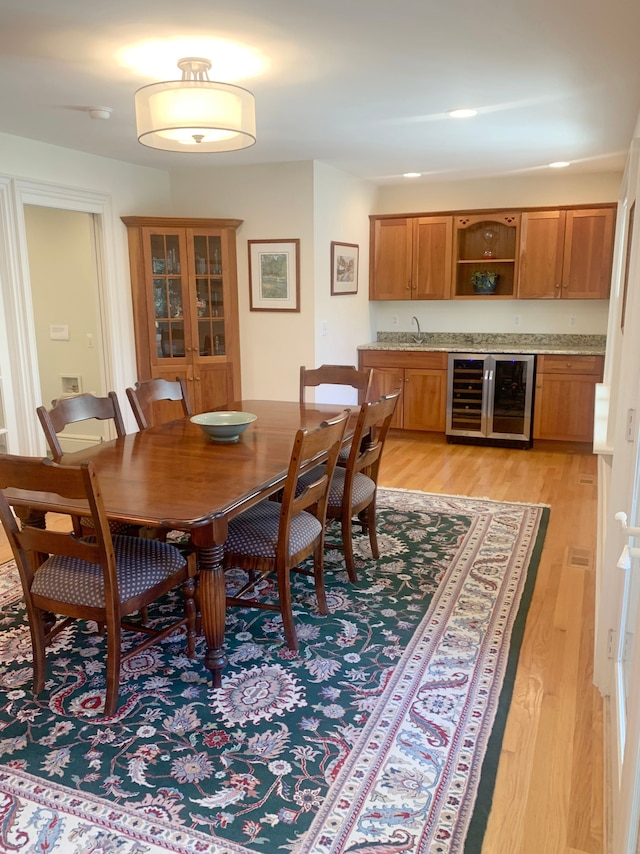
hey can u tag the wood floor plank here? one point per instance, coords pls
(549, 790)
(548, 795)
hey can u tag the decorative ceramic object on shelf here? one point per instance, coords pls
(484, 282)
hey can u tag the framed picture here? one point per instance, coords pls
(274, 275)
(344, 268)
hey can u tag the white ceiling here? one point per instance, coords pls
(363, 85)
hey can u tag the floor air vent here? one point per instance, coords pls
(580, 557)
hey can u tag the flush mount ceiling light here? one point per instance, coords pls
(195, 114)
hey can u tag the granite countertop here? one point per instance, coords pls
(490, 342)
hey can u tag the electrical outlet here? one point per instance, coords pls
(394, 319)
(516, 320)
(572, 321)
(325, 327)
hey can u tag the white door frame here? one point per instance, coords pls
(18, 351)
(621, 492)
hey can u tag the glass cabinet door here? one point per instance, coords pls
(466, 390)
(168, 296)
(511, 395)
(210, 307)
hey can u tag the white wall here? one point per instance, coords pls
(308, 201)
(341, 212)
(551, 187)
(586, 317)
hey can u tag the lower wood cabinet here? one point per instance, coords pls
(423, 379)
(565, 397)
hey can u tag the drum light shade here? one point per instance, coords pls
(195, 114)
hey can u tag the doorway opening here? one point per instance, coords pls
(63, 272)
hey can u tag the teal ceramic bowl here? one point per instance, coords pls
(224, 427)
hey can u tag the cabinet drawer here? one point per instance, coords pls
(403, 359)
(584, 365)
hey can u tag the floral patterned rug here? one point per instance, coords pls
(374, 737)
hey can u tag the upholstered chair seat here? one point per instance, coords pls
(140, 566)
(354, 487)
(273, 538)
(100, 578)
(255, 533)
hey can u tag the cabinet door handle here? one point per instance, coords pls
(189, 379)
(409, 285)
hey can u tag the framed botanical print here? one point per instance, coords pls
(274, 275)
(344, 268)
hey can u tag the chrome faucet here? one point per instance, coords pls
(417, 338)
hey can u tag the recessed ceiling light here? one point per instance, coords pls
(411, 174)
(559, 164)
(462, 114)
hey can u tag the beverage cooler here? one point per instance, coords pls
(489, 399)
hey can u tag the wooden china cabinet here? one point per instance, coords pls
(185, 304)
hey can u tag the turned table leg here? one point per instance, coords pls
(212, 600)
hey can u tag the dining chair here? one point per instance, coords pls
(102, 577)
(274, 538)
(79, 407)
(354, 487)
(146, 393)
(70, 410)
(346, 375)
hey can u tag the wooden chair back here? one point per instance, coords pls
(346, 375)
(144, 396)
(307, 447)
(34, 548)
(353, 493)
(272, 523)
(80, 407)
(370, 435)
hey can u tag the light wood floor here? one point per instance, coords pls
(549, 792)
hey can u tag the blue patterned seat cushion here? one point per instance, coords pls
(343, 456)
(363, 486)
(255, 532)
(141, 564)
(114, 527)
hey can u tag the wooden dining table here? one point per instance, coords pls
(175, 477)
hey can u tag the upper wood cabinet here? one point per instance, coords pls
(185, 305)
(410, 257)
(538, 254)
(566, 254)
(486, 243)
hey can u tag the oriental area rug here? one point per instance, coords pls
(380, 735)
